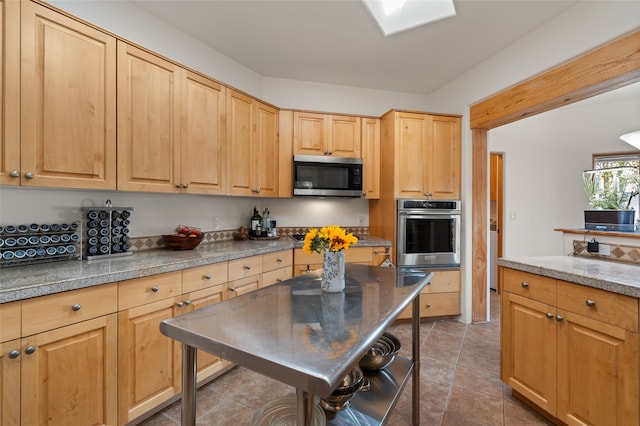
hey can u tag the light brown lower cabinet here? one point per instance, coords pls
(441, 297)
(63, 369)
(305, 262)
(570, 350)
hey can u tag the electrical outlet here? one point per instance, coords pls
(216, 223)
(604, 249)
(361, 220)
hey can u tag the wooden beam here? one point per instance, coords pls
(605, 68)
(480, 223)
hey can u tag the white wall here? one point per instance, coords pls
(577, 30)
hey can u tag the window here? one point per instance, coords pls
(606, 161)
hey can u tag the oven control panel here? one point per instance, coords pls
(450, 205)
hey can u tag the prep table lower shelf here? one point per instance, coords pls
(374, 406)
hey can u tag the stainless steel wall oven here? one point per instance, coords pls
(428, 233)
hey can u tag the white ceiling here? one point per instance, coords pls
(338, 42)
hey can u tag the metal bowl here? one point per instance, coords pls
(348, 387)
(377, 357)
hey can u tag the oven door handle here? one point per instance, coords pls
(429, 215)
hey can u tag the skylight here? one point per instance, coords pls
(394, 16)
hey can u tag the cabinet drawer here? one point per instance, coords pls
(437, 304)
(246, 267)
(542, 289)
(300, 257)
(245, 285)
(444, 282)
(58, 310)
(277, 260)
(276, 276)
(359, 255)
(306, 268)
(140, 291)
(10, 321)
(601, 305)
(204, 276)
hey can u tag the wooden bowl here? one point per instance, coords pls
(178, 242)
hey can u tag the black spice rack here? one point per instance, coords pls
(106, 232)
(39, 243)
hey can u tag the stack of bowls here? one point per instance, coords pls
(348, 387)
(381, 354)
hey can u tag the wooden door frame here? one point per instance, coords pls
(610, 66)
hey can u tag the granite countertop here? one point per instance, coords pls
(616, 277)
(23, 282)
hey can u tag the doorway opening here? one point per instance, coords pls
(495, 217)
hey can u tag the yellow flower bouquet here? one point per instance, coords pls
(329, 238)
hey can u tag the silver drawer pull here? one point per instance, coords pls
(207, 277)
(590, 303)
(279, 280)
(428, 305)
(232, 289)
(14, 354)
(29, 350)
(280, 260)
(559, 318)
(14, 174)
(180, 304)
(155, 289)
(549, 315)
(76, 307)
(524, 284)
(187, 302)
(29, 175)
(247, 267)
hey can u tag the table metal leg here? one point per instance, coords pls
(304, 408)
(188, 385)
(415, 395)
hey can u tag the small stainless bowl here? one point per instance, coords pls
(376, 357)
(348, 387)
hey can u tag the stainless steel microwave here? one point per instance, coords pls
(326, 176)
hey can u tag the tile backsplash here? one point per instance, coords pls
(618, 253)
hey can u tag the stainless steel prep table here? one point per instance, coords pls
(298, 335)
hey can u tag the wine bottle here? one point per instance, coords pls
(255, 221)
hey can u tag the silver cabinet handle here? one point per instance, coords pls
(524, 284)
(29, 175)
(178, 185)
(185, 185)
(247, 267)
(428, 305)
(29, 350)
(279, 280)
(590, 303)
(14, 354)
(559, 318)
(187, 302)
(14, 174)
(180, 304)
(207, 277)
(280, 260)
(155, 289)
(549, 315)
(76, 307)
(232, 289)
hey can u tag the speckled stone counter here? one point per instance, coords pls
(22, 282)
(611, 276)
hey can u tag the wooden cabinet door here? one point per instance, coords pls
(148, 122)
(68, 102)
(149, 363)
(344, 136)
(239, 153)
(245, 285)
(371, 157)
(9, 93)
(411, 151)
(71, 376)
(597, 372)
(203, 144)
(310, 134)
(207, 364)
(444, 161)
(10, 360)
(529, 355)
(265, 150)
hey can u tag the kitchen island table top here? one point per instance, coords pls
(297, 334)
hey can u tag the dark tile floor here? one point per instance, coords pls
(460, 383)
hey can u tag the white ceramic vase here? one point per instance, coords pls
(332, 271)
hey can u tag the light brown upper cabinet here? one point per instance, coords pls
(68, 101)
(421, 154)
(326, 134)
(371, 157)
(252, 146)
(171, 132)
(10, 93)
